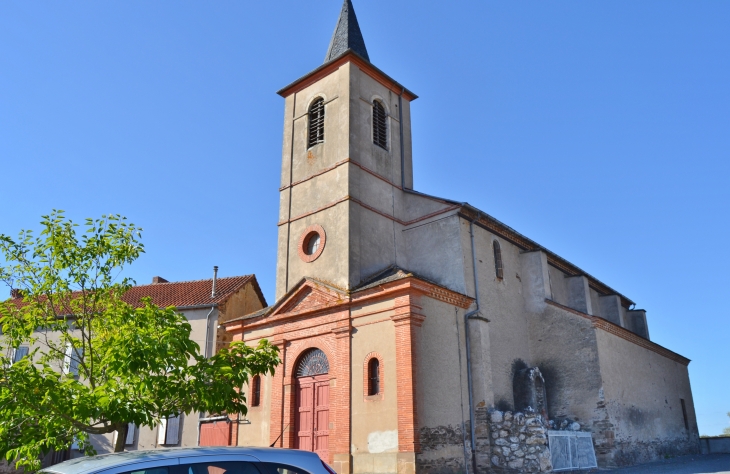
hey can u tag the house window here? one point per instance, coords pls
(316, 122)
(380, 129)
(129, 440)
(498, 269)
(19, 353)
(256, 391)
(72, 360)
(168, 432)
(684, 414)
(374, 376)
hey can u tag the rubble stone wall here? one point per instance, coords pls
(519, 442)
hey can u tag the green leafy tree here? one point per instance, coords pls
(726, 431)
(94, 363)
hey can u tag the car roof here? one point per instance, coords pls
(106, 461)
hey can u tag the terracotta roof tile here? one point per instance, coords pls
(188, 293)
(183, 294)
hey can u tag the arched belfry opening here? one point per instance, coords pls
(312, 402)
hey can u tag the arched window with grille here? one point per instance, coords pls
(256, 391)
(374, 376)
(380, 125)
(316, 123)
(498, 268)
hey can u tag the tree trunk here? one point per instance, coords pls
(121, 438)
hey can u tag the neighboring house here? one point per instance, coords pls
(420, 334)
(206, 304)
(200, 303)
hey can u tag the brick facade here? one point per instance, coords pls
(315, 315)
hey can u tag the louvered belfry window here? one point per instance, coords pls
(380, 129)
(316, 123)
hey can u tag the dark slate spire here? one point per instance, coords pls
(347, 35)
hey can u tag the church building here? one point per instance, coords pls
(419, 334)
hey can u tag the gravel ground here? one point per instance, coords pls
(693, 464)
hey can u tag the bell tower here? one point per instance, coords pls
(346, 159)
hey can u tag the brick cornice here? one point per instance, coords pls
(414, 284)
(408, 318)
(341, 331)
(329, 68)
(625, 334)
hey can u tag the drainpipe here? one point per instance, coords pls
(207, 333)
(472, 417)
(402, 145)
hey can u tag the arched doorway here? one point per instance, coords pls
(313, 403)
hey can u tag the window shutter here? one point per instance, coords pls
(173, 430)
(78, 353)
(130, 434)
(19, 353)
(72, 360)
(67, 359)
(162, 431)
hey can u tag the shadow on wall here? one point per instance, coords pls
(528, 387)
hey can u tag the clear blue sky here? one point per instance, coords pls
(599, 129)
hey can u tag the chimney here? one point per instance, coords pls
(158, 279)
(215, 280)
(16, 293)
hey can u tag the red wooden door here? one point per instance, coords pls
(313, 402)
(305, 414)
(322, 419)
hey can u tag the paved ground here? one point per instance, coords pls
(694, 464)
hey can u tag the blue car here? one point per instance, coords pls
(204, 460)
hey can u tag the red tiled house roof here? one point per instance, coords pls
(184, 294)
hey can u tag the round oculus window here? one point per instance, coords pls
(311, 243)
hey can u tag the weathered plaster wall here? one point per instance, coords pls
(374, 418)
(558, 286)
(434, 250)
(299, 162)
(503, 342)
(255, 429)
(365, 89)
(244, 301)
(642, 392)
(442, 394)
(564, 348)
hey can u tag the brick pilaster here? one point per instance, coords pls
(407, 321)
(277, 396)
(340, 448)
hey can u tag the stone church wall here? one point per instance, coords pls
(442, 397)
(641, 397)
(519, 442)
